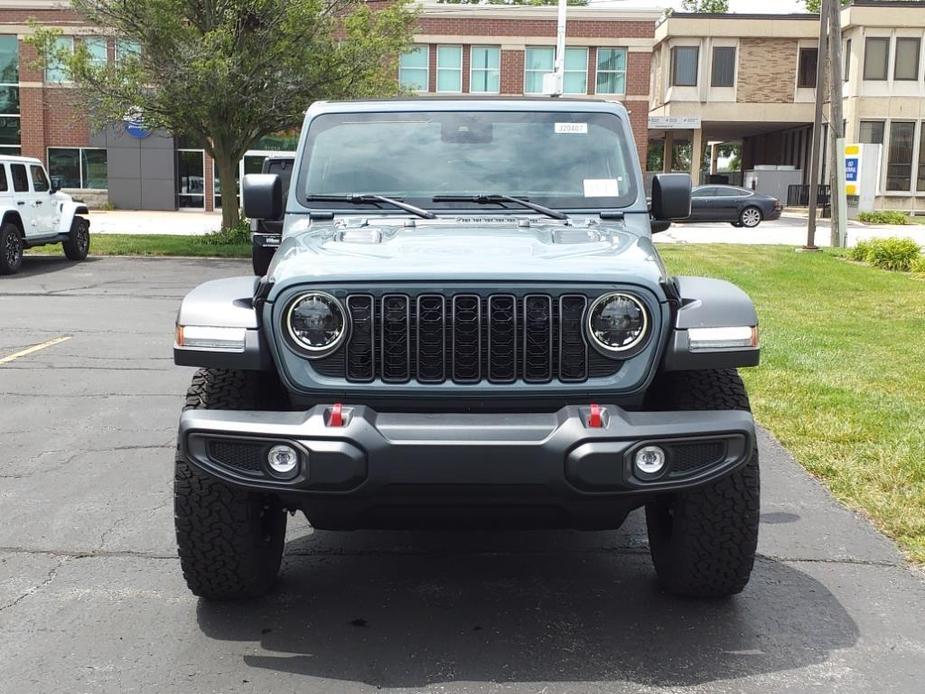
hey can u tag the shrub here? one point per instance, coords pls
(918, 265)
(888, 254)
(240, 233)
(859, 252)
(884, 217)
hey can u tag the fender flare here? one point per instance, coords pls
(709, 303)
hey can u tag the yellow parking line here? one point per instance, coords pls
(34, 348)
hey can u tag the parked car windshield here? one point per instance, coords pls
(561, 160)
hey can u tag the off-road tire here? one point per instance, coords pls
(78, 242)
(703, 541)
(11, 248)
(230, 541)
(261, 258)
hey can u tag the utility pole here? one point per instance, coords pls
(560, 46)
(837, 129)
(817, 128)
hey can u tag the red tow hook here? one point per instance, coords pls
(595, 417)
(336, 418)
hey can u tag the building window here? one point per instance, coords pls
(449, 69)
(541, 60)
(684, 65)
(55, 72)
(871, 132)
(79, 167)
(724, 66)
(485, 70)
(127, 49)
(413, 73)
(576, 71)
(846, 71)
(899, 166)
(538, 61)
(98, 50)
(907, 59)
(920, 178)
(876, 58)
(806, 72)
(191, 182)
(10, 121)
(611, 71)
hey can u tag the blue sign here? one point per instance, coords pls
(851, 169)
(136, 130)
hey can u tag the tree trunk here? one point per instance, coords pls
(227, 171)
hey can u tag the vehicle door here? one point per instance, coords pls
(46, 209)
(729, 203)
(23, 198)
(702, 204)
(6, 190)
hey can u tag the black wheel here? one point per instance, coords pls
(703, 541)
(11, 248)
(78, 244)
(750, 217)
(230, 541)
(260, 258)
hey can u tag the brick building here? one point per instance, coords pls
(458, 50)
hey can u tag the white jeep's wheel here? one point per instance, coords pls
(750, 217)
(78, 243)
(11, 249)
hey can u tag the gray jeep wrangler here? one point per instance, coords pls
(467, 324)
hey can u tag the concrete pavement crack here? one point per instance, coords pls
(53, 572)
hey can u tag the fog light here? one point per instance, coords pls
(283, 460)
(650, 460)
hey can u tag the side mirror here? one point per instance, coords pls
(263, 196)
(55, 185)
(671, 197)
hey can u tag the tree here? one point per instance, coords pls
(815, 5)
(228, 72)
(510, 2)
(706, 6)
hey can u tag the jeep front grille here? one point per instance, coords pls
(466, 338)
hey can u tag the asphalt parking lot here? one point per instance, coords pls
(91, 597)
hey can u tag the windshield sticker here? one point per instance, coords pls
(571, 128)
(602, 188)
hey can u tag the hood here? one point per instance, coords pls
(505, 248)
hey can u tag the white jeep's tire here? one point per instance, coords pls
(78, 243)
(11, 249)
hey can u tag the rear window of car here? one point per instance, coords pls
(20, 178)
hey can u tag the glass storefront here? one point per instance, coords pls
(191, 182)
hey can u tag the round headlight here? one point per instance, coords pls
(617, 322)
(316, 322)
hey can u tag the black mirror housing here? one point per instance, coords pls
(671, 197)
(55, 185)
(263, 196)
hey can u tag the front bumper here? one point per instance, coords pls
(555, 459)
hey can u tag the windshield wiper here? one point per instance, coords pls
(496, 198)
(366, 198)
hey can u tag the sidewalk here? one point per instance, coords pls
(148, 222)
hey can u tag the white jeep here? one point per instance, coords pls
(35, 212)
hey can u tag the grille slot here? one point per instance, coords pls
(431, 338)
(360, 357)
(502, 338)
(538, 338)
(467, 338)
(691, 456)
(573, 350)
(396, 338)
(243, 456)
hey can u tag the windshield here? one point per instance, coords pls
(561, 160)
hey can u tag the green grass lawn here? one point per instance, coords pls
(155, 244)
(842, 379)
